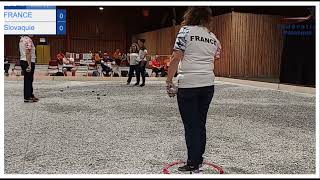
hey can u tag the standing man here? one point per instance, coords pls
(27, 63)
(142, 62)
(194, 53)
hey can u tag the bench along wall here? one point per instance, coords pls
(252, 44)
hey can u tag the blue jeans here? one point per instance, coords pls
(133, 69)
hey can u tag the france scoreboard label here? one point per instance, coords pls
(36, 20)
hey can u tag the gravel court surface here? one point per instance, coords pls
(138, 130)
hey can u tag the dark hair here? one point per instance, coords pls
(136, 46)
(197, 16)
(142, 40)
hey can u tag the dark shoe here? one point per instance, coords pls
(188, 168)
(34, 99)
(142, 85)
(128, 83)
(136, 84)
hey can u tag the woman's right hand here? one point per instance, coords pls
(171, 89)
(28, 69)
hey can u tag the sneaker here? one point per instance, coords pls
(188, 168)
(142, 85)
(28, 100)
(198, 171)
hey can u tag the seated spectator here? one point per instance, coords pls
(60, 57)
(98, 57)
(106, 64)
(106, 68)
(91, 54)
(106, 57)
(69, 65)
(117, 57)
(125, 59)
(157, 67)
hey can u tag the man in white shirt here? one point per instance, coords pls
(27, 63)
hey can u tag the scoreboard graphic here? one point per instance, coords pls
(36, 20)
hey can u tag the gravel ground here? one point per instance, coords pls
(134, 130)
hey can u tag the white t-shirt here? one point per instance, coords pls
(24, 44)
(142, 55)
(199, 46)
(133, 58)
(68, 61)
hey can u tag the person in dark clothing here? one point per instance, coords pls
(142, 62)
(27, 63)
(6, 67)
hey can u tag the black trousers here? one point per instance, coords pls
(28, 79)
(193, 106)
(132, 69)
(141, 71)
(157, 71)
(6, 67)
(105, 68)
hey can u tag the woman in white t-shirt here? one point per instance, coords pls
(194, 53)
(133, 62)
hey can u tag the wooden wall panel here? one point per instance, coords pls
(162, 41)
(11, 47)
(159, 41)
(57, 44)
(251, 44)
(256, 45)
(220, 26)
